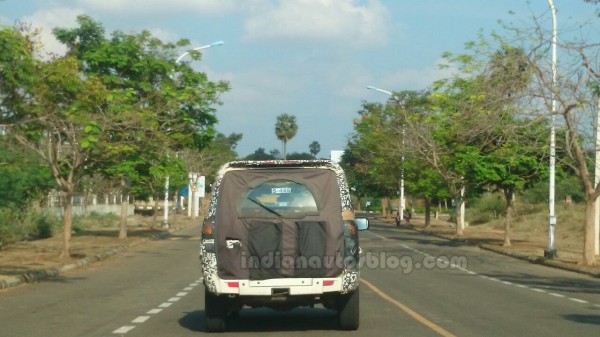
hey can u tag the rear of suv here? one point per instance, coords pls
(280, 234)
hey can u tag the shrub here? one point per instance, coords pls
(17, 225)
(485, 208)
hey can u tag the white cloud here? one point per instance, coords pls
(341, 22)
(143, 7)
(48, 20)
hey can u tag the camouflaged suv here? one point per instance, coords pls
(280, 234)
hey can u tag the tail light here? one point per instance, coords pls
(208, 230)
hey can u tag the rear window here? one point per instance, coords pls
(284, 198)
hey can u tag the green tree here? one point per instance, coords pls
(158, 106)
(57, 118)
(24, 178)
(314, 148)
(300, 156)
(374, 150)
(260, 154)
(285, 129)
(568, 97)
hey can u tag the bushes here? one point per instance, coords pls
(568, 187)
(485, 208)
(17, 225)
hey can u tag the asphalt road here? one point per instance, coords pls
(413, 285)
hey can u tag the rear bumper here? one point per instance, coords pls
(346, 282)
(277, 287)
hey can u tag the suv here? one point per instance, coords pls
(280, 234)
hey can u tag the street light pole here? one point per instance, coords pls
(166, 205)
(401, 203)
(214, 44)
(551, 251)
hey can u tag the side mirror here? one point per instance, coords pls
(362, 223)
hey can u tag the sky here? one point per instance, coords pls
(309, 58)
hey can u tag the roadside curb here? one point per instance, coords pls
(39, 275)
(541, 260)
(510, 253)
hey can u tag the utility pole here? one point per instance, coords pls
(551, 251)
(597, 181)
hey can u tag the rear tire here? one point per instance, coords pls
(215, 312)
(348, 311)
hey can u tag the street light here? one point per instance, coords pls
(166, 206)
(551, 251)
(214, 44)
(401, 204)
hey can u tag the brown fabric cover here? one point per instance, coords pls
(310, 236)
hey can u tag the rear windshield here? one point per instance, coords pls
(279, 198)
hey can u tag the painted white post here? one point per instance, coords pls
(596, 182)
(551, 251)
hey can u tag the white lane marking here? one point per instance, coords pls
(577, 300)
(377, 235)
(495, 279)
(140, 319)
(124, 329)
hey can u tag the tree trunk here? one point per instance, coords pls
(508, 196)
(427, 212)
(589, 255)
(124, 208)
(384, 207)
(459, 216)
(155, 212)
(67, 224)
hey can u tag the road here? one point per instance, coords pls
(413, 285)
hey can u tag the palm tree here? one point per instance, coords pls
(285, 129)
(314, 148)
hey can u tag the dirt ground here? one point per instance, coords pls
(526, 240)
(31, 256)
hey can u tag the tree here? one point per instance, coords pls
(314, 148)
(375, 152)
(108, 106)
(24, 178)
(569, 97)
(275, 153)
(285, 129)
(207, 161)
(158, 106)
(54, 113)
(260, 154)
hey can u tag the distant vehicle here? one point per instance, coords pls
(280, 234)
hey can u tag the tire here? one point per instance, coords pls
(215, 312)
(348, 311)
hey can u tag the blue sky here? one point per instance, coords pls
(309, 58)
